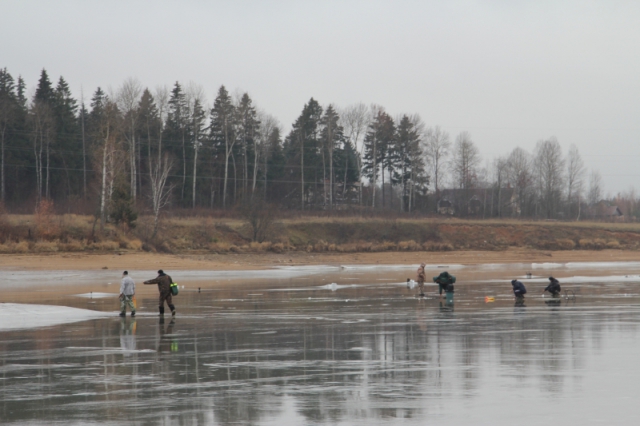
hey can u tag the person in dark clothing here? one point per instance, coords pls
(519, 290)
(164, 287)
(553, 287)
(445, 282)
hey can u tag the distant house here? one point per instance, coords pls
(612, 212)
(604, 212)
(475, 206)
(445, 207)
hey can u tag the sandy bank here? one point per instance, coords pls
(150, 261)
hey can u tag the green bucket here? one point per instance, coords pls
(449, 297)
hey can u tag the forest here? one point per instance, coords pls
(139, 150)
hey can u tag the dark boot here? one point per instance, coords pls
(173, 310)
(133, 314)
(161, 310)
(122, 314)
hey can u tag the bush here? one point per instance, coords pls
(134, 244)
(565, 244)
(45, 247)
(409, 246)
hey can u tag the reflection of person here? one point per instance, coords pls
(519, 290)
(421, 277)
(553, 287)
(165, 344)
(164, 287)
(128, 336)
(445, 282)
(127, 291)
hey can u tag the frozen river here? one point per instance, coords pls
(293, 348)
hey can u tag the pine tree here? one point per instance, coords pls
(408, 156)
(377, 143)
(302, 146)
(332, 137)
(44, 91)
(176, 130)
(66, 141)
(248, 127)
(222, 132)
(8, 111)
(196, 133)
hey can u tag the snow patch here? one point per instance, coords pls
(16, 316)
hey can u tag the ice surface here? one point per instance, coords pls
(15, 316)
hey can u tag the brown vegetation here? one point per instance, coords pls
(48, 233)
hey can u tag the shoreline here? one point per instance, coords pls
(261, 261)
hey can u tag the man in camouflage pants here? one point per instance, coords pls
(127, 291)
(164, 287)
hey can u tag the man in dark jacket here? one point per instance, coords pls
(445, 282)
(553, 287)
(164, 287)
(518, 290)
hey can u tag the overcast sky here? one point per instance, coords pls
(508, 72)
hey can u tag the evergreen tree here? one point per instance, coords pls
(66, 140)
(302, 146)
(176, 131)
(332, 136)
(248, 128)
(223, 133)
(44, 91)
(408, 156)
(196, 133)
(8, 111)
(377, 145)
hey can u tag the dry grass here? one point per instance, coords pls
(74, 233)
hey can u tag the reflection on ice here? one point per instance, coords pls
(367, 353)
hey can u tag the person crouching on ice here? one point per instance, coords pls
(445, 282)
(519, 290)
(553, 287)
(164, 287)
(421, 277)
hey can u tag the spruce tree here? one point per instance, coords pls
(332, 136)
(176, 131)
(223, 133)
(302, 148)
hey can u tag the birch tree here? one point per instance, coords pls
(128, 98)
(549, 169)
(223, 132)
(575, 178)
(436, 149)
(160, 191)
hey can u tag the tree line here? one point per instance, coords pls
(142, 148)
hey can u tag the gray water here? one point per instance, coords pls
(298, 351)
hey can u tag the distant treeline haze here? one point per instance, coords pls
(166, 147)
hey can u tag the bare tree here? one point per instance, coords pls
(160, 192)
(500, 167)
(549, 168)
(436, 148)
(260, 217)
(268, 124)
(595, 188)
(42, 125)
(127, 98)
(355, 119)
(465, 162)
(106, 155)
(520, 178)
(575, 177)
(161, 97)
